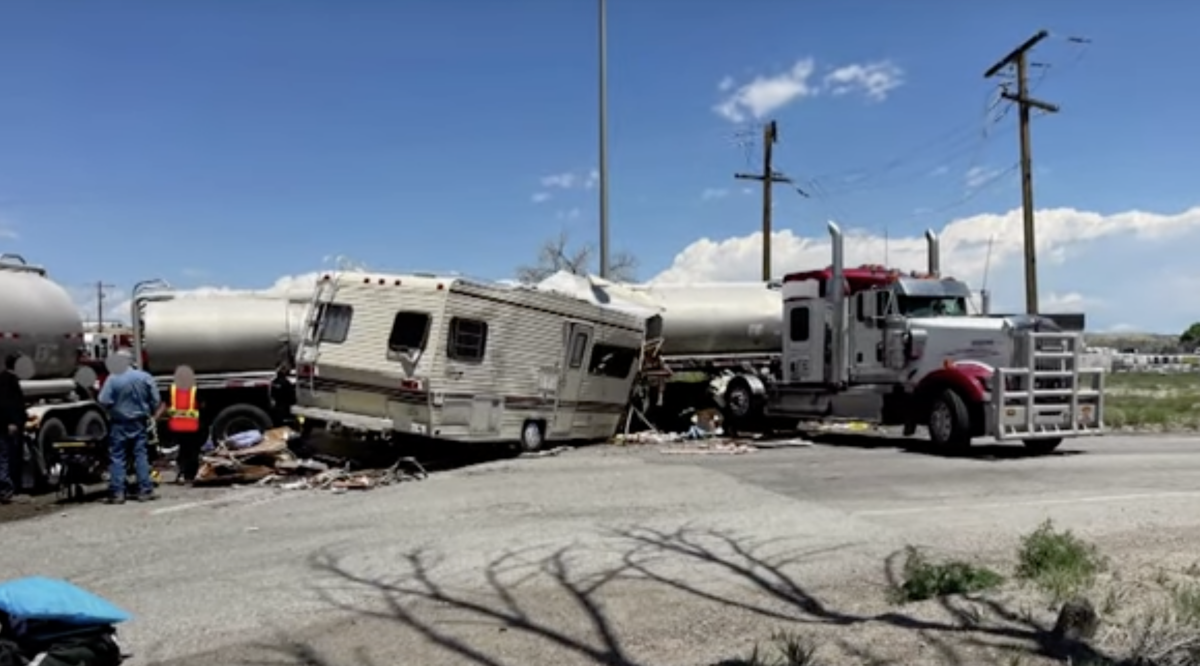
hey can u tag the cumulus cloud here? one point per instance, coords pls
(1063, 234)
(874, 80)
(764, 94)
(540, 197)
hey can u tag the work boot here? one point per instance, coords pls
(147, 497)
(114, 499)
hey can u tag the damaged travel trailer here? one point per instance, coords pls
(466, 360)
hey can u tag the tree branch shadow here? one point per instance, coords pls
(416, 597)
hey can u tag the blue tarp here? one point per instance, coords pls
(50, 599)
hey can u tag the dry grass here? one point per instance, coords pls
(1167, 402)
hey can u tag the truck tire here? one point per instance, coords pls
(1042, 446)
(240, 418)
(92, 425)
(741, 403)
(44, 456)
(949, 422)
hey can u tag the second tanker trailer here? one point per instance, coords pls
(233, 343)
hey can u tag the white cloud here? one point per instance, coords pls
(564, 180)
(1063, 233)
(540, 197)
(592, 179)
(978, 176)
(1072, 301)
(8, 229)
(940, 171)
(765, 94)
(569, 215)
(747, 190)
(711, 193)
(875, 80)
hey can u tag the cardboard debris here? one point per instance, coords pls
(272, 462)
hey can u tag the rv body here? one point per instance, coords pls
(463, 360)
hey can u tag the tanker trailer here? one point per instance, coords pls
(39, 321)
(712, 325)
(709, 331)
(232, 343)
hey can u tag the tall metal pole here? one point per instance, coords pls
(603, 168)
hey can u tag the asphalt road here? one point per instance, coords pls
(603, 555)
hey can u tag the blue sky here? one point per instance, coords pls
(224, 143)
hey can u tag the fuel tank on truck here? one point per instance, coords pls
(38, 319)
(712, 319)
(221, 334)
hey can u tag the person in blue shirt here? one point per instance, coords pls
(132, 400)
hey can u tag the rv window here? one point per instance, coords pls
(467, 341)
(578, 348)
(798, 324)
(410, 330)
(334, 323)
(612, 361)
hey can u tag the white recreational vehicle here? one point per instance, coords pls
(465, 360)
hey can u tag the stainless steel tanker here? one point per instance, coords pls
(39, 320)
(711, 320)
(220, 334)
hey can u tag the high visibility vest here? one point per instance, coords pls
(183, 415)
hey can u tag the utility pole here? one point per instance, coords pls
(602, 185)
(1019, 59)
(100, 296)
(768, 178)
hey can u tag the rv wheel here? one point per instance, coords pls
(533, 435)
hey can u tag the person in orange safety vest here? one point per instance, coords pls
(183, 422)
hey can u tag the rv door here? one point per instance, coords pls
(577, 338)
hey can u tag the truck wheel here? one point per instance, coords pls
(92, 425)
(533, 436)
(240, 418)
(740, 401)
(1042, 446)
(44, 456)
(949, 422)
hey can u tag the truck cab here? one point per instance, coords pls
(890, 347)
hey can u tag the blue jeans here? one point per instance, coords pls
(10, 453)
(123, 436)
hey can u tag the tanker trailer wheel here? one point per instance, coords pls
(43, 456)
(92, 425)
(742, 405)
(240, 418)
(1042, 446)
(949, 422)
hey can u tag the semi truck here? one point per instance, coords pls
(880, 345)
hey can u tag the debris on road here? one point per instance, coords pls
(264, 458)
(711, 448)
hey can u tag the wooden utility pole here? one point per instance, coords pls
(768, 178)
(1019, 59)
(100, 296)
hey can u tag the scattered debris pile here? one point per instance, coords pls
(265, 458)
(705, 437)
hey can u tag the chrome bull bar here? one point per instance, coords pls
(1052, 394)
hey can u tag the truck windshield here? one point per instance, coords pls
(933, 306)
